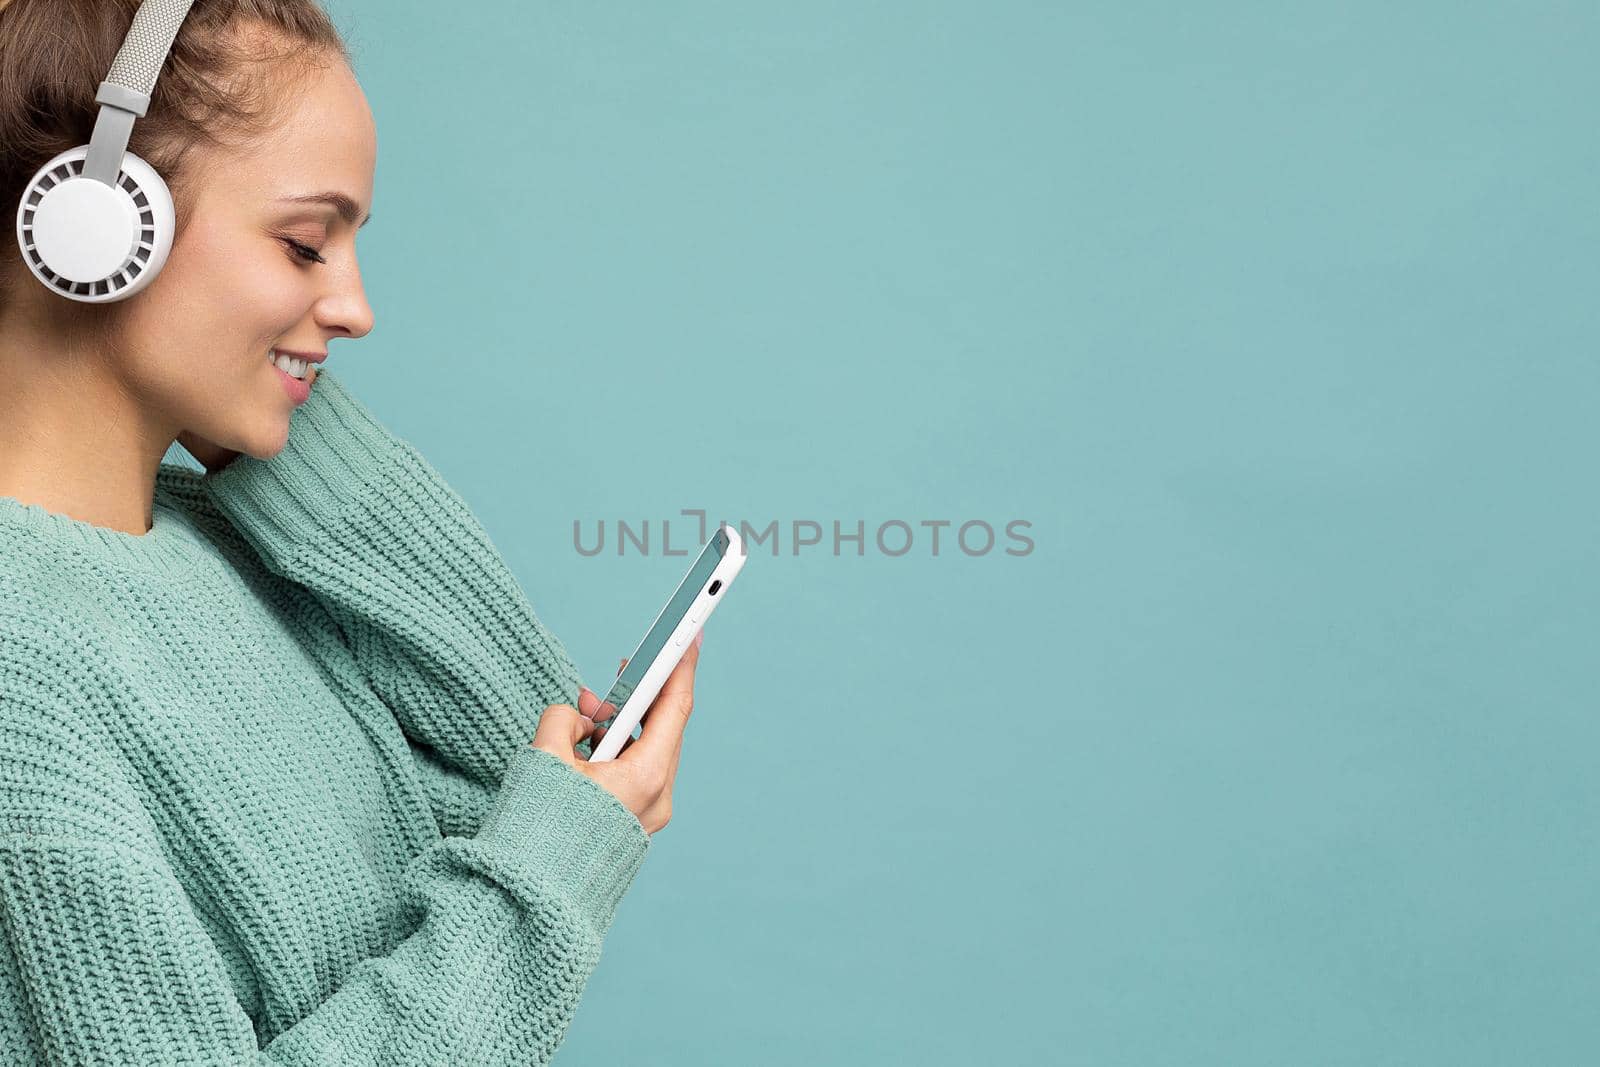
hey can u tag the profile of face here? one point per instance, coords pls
(244, 278)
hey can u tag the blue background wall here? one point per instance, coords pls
(1275, 321)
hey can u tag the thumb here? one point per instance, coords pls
(588, 703)
(560, 729)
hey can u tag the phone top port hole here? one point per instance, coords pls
(714, 587)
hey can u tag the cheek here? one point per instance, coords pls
(226, 291)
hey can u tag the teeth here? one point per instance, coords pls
(295, 368)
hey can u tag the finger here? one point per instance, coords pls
(664, 723)
(593, 708)
(588, 703)
(623, 664)
(560, 729)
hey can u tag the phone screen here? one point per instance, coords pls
(665, 625)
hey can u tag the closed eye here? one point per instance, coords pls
(304, 252)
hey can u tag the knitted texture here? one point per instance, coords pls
(144, 51)
(266, 788)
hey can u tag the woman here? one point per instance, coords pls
(267, 790)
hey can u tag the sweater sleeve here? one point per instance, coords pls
(103, 957)
(355, 516)
(458, 803)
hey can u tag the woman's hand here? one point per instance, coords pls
(642, 774)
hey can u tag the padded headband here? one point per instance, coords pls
(125, 94)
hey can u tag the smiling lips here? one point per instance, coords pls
(294, 364)
(297, 385)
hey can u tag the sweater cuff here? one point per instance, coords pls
(566, 832)
(337, 451)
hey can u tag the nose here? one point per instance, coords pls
(343, 310)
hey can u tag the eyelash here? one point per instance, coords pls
(310, 255)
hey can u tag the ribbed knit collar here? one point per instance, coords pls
(172, 545)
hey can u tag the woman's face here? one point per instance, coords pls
(238, 284)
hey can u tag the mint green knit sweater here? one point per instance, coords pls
(266, 788)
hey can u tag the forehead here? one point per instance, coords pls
(324, 139)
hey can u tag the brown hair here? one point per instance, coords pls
(223, 79)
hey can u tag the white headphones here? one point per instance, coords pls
(96, 222)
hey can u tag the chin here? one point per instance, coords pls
(266, 444)
(281, 443)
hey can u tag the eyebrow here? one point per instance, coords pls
(347, 208)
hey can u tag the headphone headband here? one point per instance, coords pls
(144, 51)
(125, 94)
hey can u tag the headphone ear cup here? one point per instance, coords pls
(92, 242)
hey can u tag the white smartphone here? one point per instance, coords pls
(697, 596)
